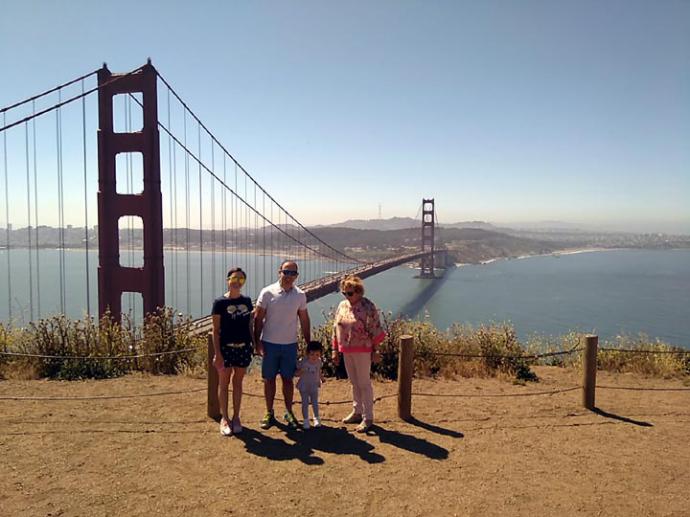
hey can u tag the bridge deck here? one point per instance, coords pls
(329, 284)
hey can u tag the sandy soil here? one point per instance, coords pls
(511, 455)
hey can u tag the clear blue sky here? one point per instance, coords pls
(503, 111)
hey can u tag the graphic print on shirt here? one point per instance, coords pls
(238, 311)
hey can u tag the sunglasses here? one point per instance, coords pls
(349, 293)
(289, 272)
(237, 278)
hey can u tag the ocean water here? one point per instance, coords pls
(608, 292)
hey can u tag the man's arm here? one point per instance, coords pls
(305, 324)
(259, 314)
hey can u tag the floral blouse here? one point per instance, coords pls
(357, 328)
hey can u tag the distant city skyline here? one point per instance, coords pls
(509, 113)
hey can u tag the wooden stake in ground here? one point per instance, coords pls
(405, 372)
(589, 368)
(213, 407)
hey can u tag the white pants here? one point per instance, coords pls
(358, 367)
(309, 395)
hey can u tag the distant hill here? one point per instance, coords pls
(401, 223)
(465, 244)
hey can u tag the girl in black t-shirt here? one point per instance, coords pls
(232, 341)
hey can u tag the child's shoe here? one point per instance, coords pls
(305, 424)
(317, 422)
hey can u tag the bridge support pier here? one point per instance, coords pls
(113, 278)
(428, 226)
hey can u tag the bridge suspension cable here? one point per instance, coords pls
(248, 175)
(34, 155)
(224, 217)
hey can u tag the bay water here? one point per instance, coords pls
(605, 292)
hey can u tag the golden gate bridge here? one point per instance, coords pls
(151, 170)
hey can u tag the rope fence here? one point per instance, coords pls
(405, 374)
(499, 356)
(647, 352)
(99, 357)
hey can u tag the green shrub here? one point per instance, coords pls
(80, 345)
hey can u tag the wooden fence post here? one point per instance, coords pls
(589, 369)
(405, 372)
(212, 405)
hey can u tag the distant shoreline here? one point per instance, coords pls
(558, 253)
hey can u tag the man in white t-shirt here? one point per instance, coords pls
(278, 309)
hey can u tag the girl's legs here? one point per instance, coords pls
(315, 406)
(304, 395)
(237, 379)
(223, 382)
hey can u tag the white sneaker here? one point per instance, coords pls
(305, 424)
(317, 422)
(225, 427)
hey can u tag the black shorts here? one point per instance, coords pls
(237, 356)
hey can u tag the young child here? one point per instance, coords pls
(310, 378)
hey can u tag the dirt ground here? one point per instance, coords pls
(465, 454)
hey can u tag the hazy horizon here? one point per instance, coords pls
(510, 112)
(666, 227)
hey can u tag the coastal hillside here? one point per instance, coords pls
(467, 245)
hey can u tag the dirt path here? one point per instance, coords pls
(514, 455)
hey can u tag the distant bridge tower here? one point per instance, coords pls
(113, 278)
(428, 225)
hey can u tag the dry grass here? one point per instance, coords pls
(76, 347)
(503, 355)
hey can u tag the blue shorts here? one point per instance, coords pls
(279, 359)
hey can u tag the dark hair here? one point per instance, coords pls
(286, 261)
(314, 346)
(236, 270)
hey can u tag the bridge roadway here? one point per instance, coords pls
(329, 284)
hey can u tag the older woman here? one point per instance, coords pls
(357, 332)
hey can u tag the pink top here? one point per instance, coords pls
(357, 328)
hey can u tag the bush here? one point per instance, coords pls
(79, 345)
(429, 341)
(663, 364)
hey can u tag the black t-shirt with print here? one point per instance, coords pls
(234, 318)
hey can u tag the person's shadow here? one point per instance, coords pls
(261, 444)
(414, 444)
(325, 439)
(336, 440)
